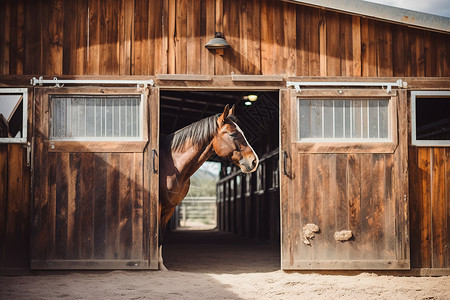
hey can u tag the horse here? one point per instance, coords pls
(183, 152)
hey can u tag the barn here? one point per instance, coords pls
(351, 124)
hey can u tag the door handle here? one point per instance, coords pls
(154, 155)
(285, 158)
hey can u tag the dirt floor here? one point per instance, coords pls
(214, 265)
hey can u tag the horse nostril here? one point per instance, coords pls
(254, 163)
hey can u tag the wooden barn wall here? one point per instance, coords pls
(147, 37)
(430, 206)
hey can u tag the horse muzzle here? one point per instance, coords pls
(249, 165)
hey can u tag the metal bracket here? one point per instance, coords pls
(384, 85)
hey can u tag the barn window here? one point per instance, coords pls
(344, 120)
(93, 117)
(430, 118)
(13, 115)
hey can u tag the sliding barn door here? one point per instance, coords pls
(95, 201)
(344, 194)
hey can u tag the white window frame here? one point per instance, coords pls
(428, 94)
(24, 93)
(102, 139)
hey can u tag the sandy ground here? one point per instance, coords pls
(215, 265)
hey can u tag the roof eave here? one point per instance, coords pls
(383, 12)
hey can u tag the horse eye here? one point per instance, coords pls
(233, 135)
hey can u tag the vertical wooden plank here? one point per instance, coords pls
(384, 50)
(207, 33)
(345, 35)
(5, 37)
(279, 38)
(398, 50)
(424, 207)
(13, 238)
(70, 38)
(389, 200)
(417, 53)
(378, 183)
(430, 63)
(302, 40)
(32, 46)
(157, 37)
(100, 217)
(317, 173)
(333, 45)
(126, 37)
(81, 45)
(354, 204)
(367, 207)
(110, 59)
(125, 205)
(218, 59)
(40, 230)
(356, 46)
(285, 181)
(87, 206)
(74, 208)
(142, 52)
(414, 207)
(171, 60)
(323, 43)
(368, 50)
(193, 37)
(339, 186)
(267, 37)
(231, 28)
(17, 42)
(164, 37)
(137, 201)
(401, 171)
(438, 211)
(180, 38)
(94, 38)
(62, 180)
(328, 227)
(300, 213)
(315, 28)
(3, 200)
(52, 41)
(151, 184)
(112, 206)
(289, 16)
(254, 47)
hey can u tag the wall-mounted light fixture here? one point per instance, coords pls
(217, 43)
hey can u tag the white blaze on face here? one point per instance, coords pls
(242, 161)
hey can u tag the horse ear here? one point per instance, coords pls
(232, 110)
(224, 115)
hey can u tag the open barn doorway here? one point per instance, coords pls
(227, 212)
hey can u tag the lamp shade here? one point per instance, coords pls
(218, 42)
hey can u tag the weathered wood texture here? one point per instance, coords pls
(14, 207)
(430, 206)
(147, 37)
(89, 206)
(360, 192)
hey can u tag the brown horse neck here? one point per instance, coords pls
(191, 158)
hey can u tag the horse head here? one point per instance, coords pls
(230, 142)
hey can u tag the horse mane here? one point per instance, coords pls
(199, 132)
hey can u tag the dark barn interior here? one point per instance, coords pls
(247, 205)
